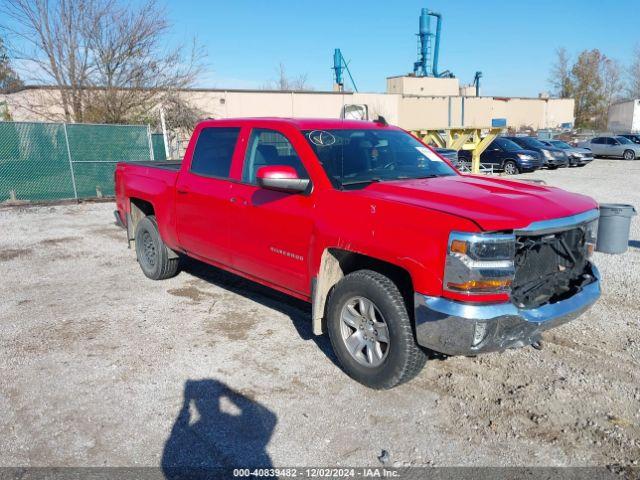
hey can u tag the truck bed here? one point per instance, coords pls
(165, 165)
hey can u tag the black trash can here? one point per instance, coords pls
(613, 227)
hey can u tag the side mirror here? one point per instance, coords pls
(282, 178)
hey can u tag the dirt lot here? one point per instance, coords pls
(101, 366)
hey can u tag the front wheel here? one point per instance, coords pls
(629, 155)
(511, 168)
(371, 332)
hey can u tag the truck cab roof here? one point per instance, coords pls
(304, 123)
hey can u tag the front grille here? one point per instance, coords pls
(550, 267)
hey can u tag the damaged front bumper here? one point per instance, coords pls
(456, 328)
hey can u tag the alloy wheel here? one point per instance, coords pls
(364, 331)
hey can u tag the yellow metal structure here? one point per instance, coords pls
(461, 138)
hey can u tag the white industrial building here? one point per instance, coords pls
(624, 117)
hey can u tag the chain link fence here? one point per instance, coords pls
(53, 161)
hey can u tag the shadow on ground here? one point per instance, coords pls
(216, 427)
(298, 311)
(634, 243)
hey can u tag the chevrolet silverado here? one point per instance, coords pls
(398, 253)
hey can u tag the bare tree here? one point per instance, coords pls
(9, 78)
(55, 48)
(560, 77)
(283, 82)
(633, 75)
(105, 57)
(132, 71)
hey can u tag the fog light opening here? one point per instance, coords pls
(479, 333)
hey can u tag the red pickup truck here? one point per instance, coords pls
(397, 251)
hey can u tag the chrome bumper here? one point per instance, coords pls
(456, 328)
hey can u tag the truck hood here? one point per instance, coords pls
(491, 203)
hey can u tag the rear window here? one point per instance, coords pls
(214, 151)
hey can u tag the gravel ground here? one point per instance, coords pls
(101, 366)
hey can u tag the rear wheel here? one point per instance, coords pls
(511, 168)
(153, 254)
(371, 332)
(629, 155)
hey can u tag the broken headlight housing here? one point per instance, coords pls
(591, 237)
(479, 264)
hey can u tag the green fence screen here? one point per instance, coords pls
(52, 161)
(157, 141)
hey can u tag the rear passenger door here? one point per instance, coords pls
(203, 194)
(271, 231)
(597, 146)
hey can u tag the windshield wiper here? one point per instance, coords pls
(359, 182)
(426, 176)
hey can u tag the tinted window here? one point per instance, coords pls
(624, 140)
(610, 141)
(559, 144)
(598, 140)
(267, 147)
(214, 151)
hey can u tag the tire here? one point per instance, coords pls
(152, 253)
(629, 155)
(581, 165)
(552, 167)
(511, 168)
(400, 358)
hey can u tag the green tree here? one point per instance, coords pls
(9, 78)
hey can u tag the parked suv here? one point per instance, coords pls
(613, 147)
(506, 155)
(577, 156)
(553, 157)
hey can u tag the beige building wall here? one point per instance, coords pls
(410, 112)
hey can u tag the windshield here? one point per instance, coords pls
(532, 142)
(623, 140)
(507, 145)
(359, 157)
(559, 144)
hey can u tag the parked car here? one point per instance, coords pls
(578, 157)
(617, 146)
(449, 154)
(553, 157)
(394, 249)
(508, 156)
(631, 136)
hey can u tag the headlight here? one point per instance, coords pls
(547, 154)
(479, 263)
(578, 155)
(524, 156)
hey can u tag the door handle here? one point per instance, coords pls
(233, 199)
(182, 192)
